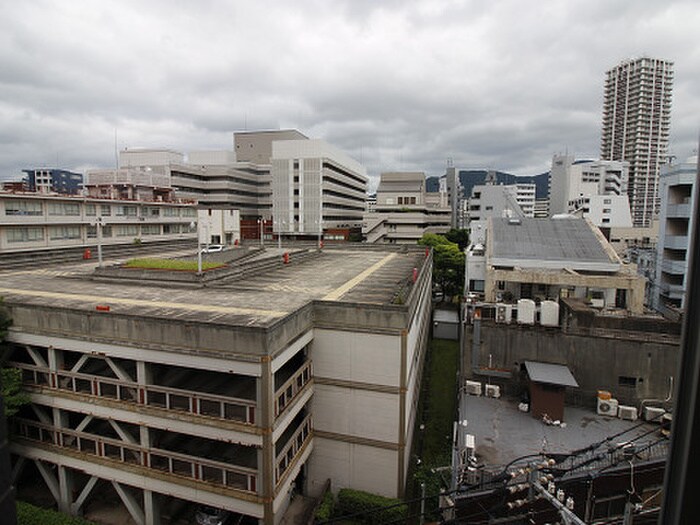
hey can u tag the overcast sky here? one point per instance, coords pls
(399, 85)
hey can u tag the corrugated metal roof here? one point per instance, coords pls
(550, 373)
(564, 243)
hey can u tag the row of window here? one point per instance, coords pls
(56, 233)
(72, 209)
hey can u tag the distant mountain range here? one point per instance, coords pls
(471, 178)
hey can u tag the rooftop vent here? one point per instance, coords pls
(514, 221)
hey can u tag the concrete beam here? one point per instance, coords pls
(43, 416)
(151, 507)
(119, 371)
(50, 480)
(122, 433)
(84, 423)
(227, 365)
(36, 356)
(17, 469)
(78, 503)
(83, 358)
(188, 490)
(130, 503)
(161, 419)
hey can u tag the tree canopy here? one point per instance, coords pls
(10, 378)
(448, 263)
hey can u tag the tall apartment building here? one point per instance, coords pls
(636, 121)
(595, 190)
(678, 190)
(451, 186)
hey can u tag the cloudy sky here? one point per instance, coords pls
(498, 84)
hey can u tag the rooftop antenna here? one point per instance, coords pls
(116, 151)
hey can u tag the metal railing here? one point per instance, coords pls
(291, 387)
(199, 403)
(175, 463)
(291, 450)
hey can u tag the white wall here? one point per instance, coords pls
(352, 356)
(350, 465)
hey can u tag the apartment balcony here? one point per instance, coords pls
(674, 267)
(678, 210)
(676, 242)
(292, 446)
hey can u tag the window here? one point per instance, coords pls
(22, 207)
(57, 233)
(627, 381)
(91, 232)
(171, 212)
(189, 212)
(90, 210)
(488, 208)
(126, 211)
(476, 285)
(171, 228)
(413, 200)
(25, 234)
(606, 220)
(127, 230)
(150, 229)
(105, 210)
(607, 201)
(606, 210)
(400, 200)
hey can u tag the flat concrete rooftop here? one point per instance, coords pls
(503, 433)
(337, 275)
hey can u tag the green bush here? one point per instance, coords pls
(375, 509)
(325, 509)
(30, 515)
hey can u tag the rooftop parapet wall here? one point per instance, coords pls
(579, 318)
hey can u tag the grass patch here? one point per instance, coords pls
(170, 264)
(437, 410)
(441, 402)
(31, 515)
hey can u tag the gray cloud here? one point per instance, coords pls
(398, 85)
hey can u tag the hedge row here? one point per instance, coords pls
(30, 515)
(375, 509)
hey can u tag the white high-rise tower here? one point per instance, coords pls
(636, 121)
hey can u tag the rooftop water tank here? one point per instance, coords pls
(526, 311)
(549, 313)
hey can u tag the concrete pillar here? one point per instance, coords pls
(66, 482)
(151, 507)
(267, 419)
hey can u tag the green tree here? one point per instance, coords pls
(448, 263)
(10, 378)
(458, 236)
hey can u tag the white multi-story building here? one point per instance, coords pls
(404, 211)
(315, 187)
(636, 122)
(491, 200)
(451, 185)
(31, 221)
(596, 190)
(678, 193)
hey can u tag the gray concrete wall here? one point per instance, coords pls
(597, 362)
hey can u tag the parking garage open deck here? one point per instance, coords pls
(376, 277)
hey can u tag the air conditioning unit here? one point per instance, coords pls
(473, 387)
(627, 412)
(653, 414)
(607, 407)
(493, 391)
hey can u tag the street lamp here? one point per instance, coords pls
(98, 223)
